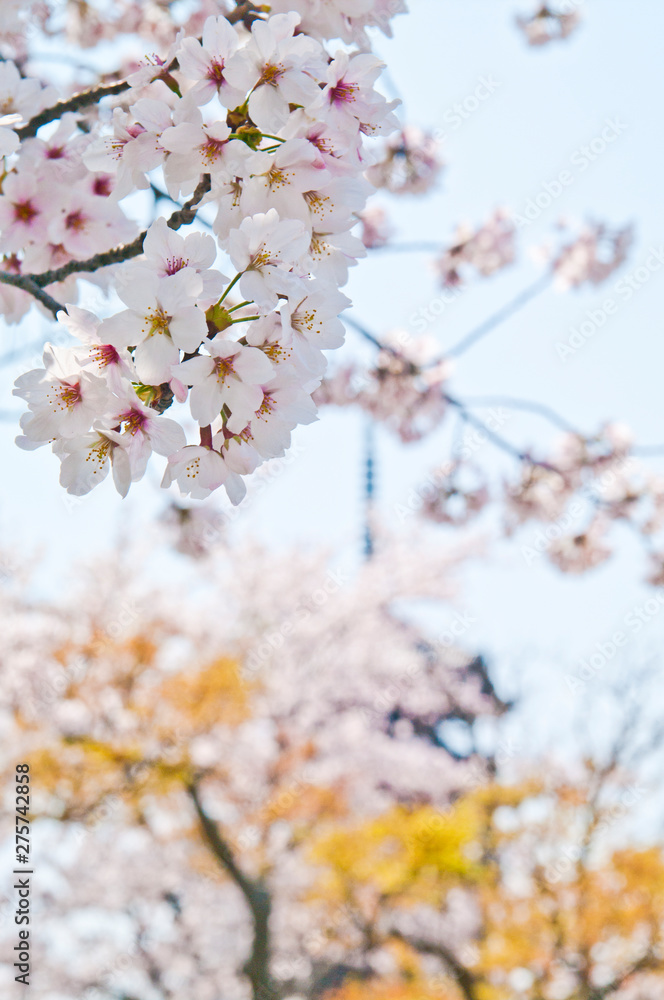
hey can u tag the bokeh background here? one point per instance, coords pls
(531, 623)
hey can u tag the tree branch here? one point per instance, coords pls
(499, 317)
(246, 12)
(257, 898)
(34, 283)
(27, 283)
(466, 981)
(546, 412)
(646, 963)
(75, 103)
(496, 439)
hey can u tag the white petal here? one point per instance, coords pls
(154, 359)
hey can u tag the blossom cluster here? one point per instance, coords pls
(486, 249)
(585, 487)
(410, 163)
(595, 252)
(548, 25)
(404, 389)
(266, 128)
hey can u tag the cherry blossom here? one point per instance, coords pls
(548, 25)
(9, 141)
(278, 68)
(205, 61)
(161, 320)
(63, 401)
(376, 228)
(167, 253)
(351, 99)
(23, 212)
(284, 405)
(487, 249)
(21, 95)
(232, 375)
(410, 164)
(199, 471)
(129, 152)
(264, 248)
(85, 462)
(593, 256)
(345, 19)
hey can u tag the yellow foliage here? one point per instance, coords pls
(415, 854)
(205, 698)
(374, 989)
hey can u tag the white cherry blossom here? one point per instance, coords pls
(205, 62)
(279, 70)
(264, 248)
(232, 375)
(63, 400)
(162, 318)
(199, 471)
(9, 141)
(167, 253)
(85, 462)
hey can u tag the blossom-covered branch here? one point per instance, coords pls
(275, 125)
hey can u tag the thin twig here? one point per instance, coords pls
(524, 404)
(465, 979)
(158, 193)
(469, 417)
(499, 317)
(362, 330)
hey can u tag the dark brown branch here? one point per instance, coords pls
(75, 103)
(646, 963)
(27, 283)
(246, 12)
(466, 981)
(257, 898)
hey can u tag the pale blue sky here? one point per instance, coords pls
(548, 103)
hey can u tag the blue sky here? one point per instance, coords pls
(546, 106)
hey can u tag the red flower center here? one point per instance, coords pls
(25, 211)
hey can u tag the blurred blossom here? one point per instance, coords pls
(376, 228)
(486, 250)
(411, 163)
(549, 25)
(592, 256)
